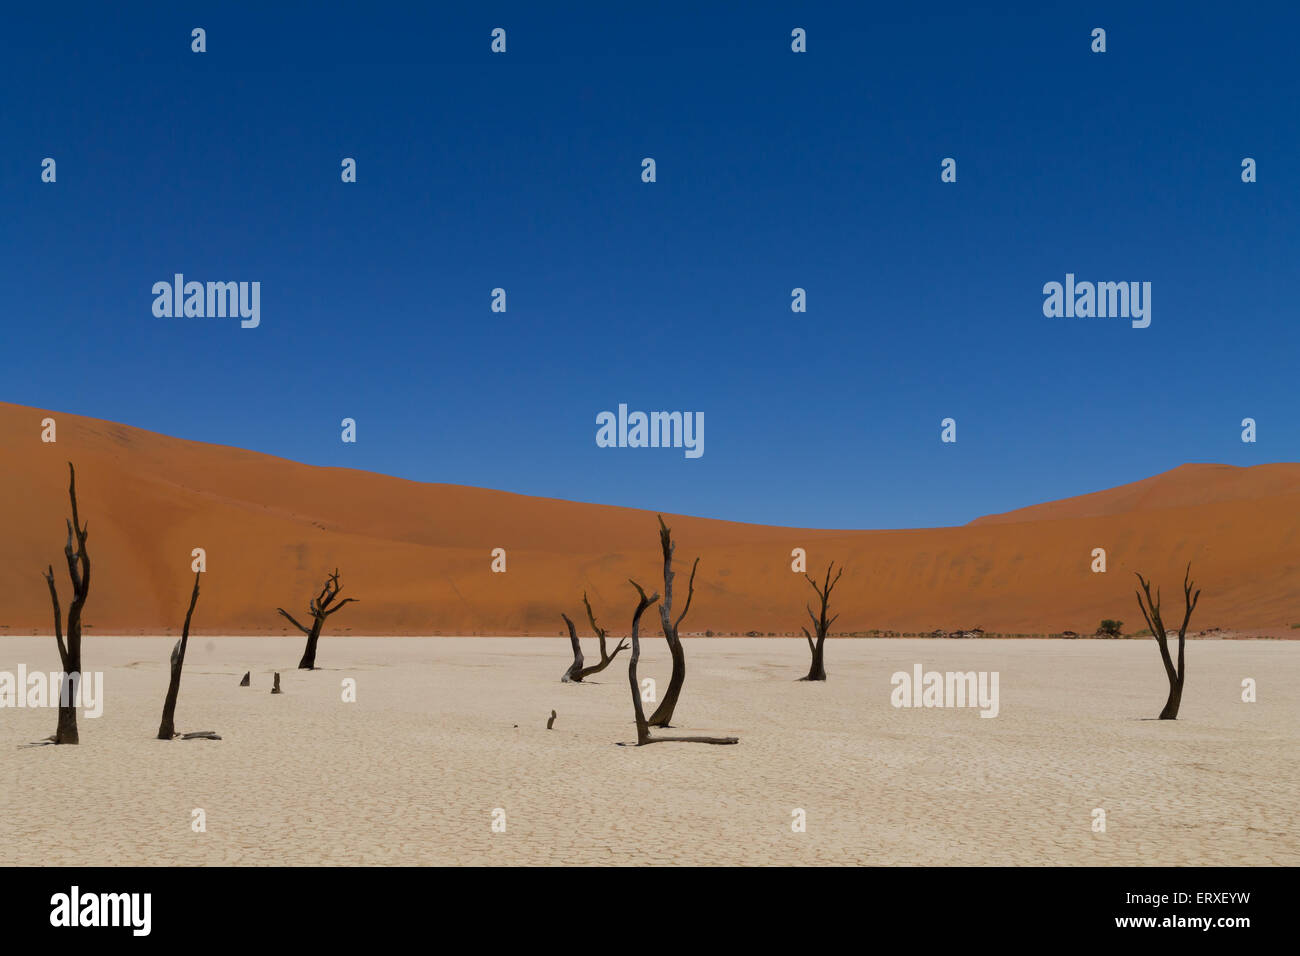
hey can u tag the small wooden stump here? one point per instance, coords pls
(276, 688)
(247, 679)
(551, 723)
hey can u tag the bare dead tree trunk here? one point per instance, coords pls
(70, 651)
(308, 660)
(320, 609)
(664, 712)
(1151, 611)
(167, 727)
(642, 728)
(576, 671)
(820, 624)
(642, 725)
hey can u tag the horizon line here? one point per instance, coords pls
(606, 504)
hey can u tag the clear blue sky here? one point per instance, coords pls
(775, 170)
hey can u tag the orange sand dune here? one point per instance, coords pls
(418, 555)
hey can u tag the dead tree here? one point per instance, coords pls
(642, 725)
(167, 728)
(820, 624)
(322, 606)
(664, 712)
(70, 651)
(1151, 611)
(576, 671)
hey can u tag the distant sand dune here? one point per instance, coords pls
(418, 555)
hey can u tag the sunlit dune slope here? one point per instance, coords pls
(418, 555)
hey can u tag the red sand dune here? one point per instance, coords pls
(418, 555)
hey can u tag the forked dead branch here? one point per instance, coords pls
(663, 714)
(322, 606)
(78, 561)
(642, 725)
(1151, 611)
(576, 672)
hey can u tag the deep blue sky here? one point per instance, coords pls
(775, 170)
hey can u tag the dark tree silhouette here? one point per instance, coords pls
(1151, 611)
(1110, 628)
(642, 725)
(664, 712)
(70, 652)
(820, 624)
(322, 606)
(167, 728)
(576, 671)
